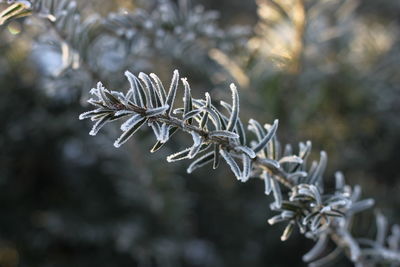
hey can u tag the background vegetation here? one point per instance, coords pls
(329, 71)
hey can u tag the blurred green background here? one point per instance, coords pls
(329, 70)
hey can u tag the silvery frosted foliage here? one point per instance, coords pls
(297, 187)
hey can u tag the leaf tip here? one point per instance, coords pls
(117, 144)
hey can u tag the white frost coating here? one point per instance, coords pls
(317, 175)
(295, 175)
(194, 150)
(270, 163)
(247, 151)
(200, 162)
(151, 92)
(281, 217)
(232, 163)
(156, 129)
(137, 90)
(172, 91)
(164, 133)
(239, 125)
(123, 112)
(208, 99)
(255, 127)
(316, 193)
(288, 231)
(95, 103)
(213, 116)
(128, 97)
(159, 87)
(177, 111)
(93, 91)
(235, 108)
(100, 123)
(246, 168)
(291, 159)
(144, 92)
(179, 155)
(187, 97)
(267, 183)
(223, 133)
(216, 157)
(275, 219)
(227, 106)
(127, 134)
(196, 138)
(101, 95)
(191, 114)
(203, 120)
(131, 122)
(276, 190)
(264, 141)
(90, 113)
(131, 79)
(151, 112)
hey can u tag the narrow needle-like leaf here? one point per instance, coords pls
(235, 108)
(172, 91)
(231, 162)
(264, 141)
(127, 134)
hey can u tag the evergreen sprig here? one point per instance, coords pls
(297, 187)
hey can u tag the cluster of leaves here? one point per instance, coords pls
(300, 202)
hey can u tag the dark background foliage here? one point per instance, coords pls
(68, 199)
